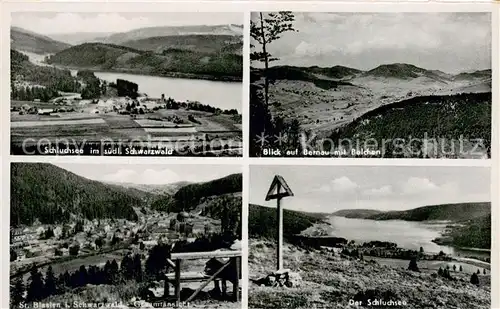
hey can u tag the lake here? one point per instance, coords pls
(224, 95)
(408, 235)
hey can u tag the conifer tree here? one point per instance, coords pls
(474, 279)
(35, 286)
(17, 292)
(50, 282)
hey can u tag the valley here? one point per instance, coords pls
(64, 225)
(340, 259)
(68, 94)
(340, 103)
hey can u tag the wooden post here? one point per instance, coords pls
(280, 229)
(236, 284)
(178, 281)
(166, 288)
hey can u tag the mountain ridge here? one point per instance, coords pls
(391, 70)
(170, 63)
(453, 212)
(148, 32)
(29, 41)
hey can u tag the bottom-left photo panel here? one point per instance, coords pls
(125, 236)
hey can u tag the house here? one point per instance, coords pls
(150, 243)
(36, 100)
(94, 111)
(45, 111)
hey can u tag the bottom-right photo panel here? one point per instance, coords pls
(369, 236)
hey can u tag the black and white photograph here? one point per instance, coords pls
(376, 85)
(369, 236)
(125, 236)
(126, 84)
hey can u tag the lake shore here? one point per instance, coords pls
(180, 75)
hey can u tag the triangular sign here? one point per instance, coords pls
(279, 189)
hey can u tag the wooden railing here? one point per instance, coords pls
(175, 262)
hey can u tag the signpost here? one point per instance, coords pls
(278, 190)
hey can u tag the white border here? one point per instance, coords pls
(245, 7)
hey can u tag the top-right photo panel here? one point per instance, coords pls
(371, 85)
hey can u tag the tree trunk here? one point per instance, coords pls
(266, 61)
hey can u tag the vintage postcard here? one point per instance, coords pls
(126, 84)
(369, 236)
(125, 236)
(376, 85)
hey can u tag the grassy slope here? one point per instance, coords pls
(324, 106)
(34, 43)
(330, 281)
(108, 57)
(50, 193)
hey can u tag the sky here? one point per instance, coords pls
(331, 188)
(151, 174)
(59, 23)
(451, 42)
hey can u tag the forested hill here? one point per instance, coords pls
(28, 41)
(51, 194)
(476, 233)
(164, 31)
(262, 222)
(171, 62)
(356, 213)
(452, 212)
(207, 43)
(466, 116)
(21, 68)
(188, 197)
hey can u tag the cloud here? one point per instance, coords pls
(416, 185)
(342, 184)
(382, 191)
(366, 40)
(148, 176)
(307, 49)
(47, 23)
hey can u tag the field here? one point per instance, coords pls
(324, 110)
(332, 281)
(161, 126)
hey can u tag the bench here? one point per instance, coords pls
(177, 277)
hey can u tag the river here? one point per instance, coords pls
(406, 234)
(224, 95)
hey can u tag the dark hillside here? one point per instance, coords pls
(453, 212)
(188, 197)
(451, 117)
(22, 69)
(194, 43)
(262, 222)
(51, 194)
(171, 62)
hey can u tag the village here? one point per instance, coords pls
(44, 245)
(119, 117)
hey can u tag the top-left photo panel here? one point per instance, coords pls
(126, 84)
